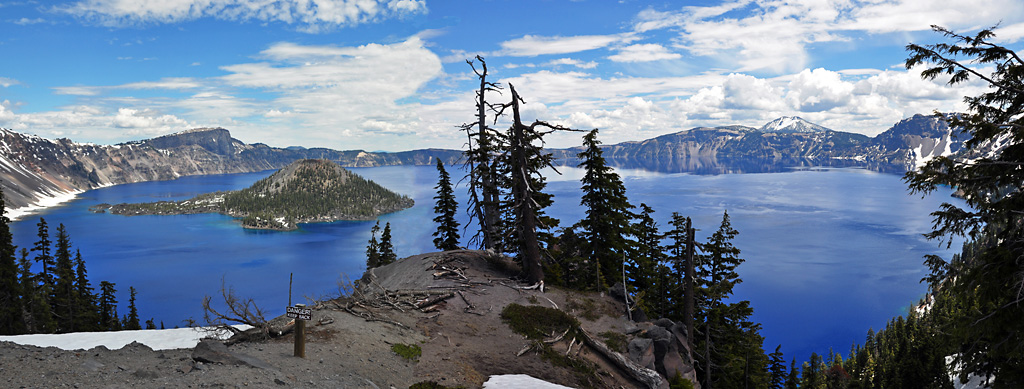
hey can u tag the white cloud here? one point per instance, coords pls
(532, 45)
(775, 35)
(645, 52)
(310, 15)
(919, 15)
(818, 90)
(27, 21)
(145, 121)
(573, 62)
(7, 82)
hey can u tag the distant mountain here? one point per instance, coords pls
(37, 171)
(792, 124)
(782, 144)
(306, 191)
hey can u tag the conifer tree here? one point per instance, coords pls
(87, 318)
(11, 319)
(387, 250)
(777, 368)
(645, 269)
(520, 165)
(793, 379)
(45, 259)
(682, 255)
(132, 320)
(108, 307)
(64, 303)
(447, 235)
(373, 248)
(987, 287)
(606, 226)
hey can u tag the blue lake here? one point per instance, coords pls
(829, 252)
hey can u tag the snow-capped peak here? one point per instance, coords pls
(791, 124)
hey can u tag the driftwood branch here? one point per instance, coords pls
(648, 377)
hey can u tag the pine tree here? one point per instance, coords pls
(150, 324)
(645, 269)
(447, 235)
(793, 379)
(87, 318)
(64, 303)
(606, 226)
(11, 320)
(988, 285)
(45, 259)
(132, 320)
(387, 250)
(812, 377)
(520, 164)
(108, 307)
(682, 255)
(728, 334)
(777, 368)
(373, 248)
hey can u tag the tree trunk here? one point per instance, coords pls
(523, 198)
(688, 285)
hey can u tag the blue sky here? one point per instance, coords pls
(391, 74)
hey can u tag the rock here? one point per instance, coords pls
(145, 374)
(92, 365)
(664, 323)
(212, 351)
(618, 291)
(641, 351)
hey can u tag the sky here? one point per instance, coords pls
(391, 75)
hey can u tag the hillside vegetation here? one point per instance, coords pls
(306, 191)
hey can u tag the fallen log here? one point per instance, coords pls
(646, 376)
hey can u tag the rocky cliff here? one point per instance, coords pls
(783, 144)
(35, 170)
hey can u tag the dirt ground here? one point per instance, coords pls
(462, 338)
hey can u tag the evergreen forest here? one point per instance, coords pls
(46, 288)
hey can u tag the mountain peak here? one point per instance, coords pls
(792, 124)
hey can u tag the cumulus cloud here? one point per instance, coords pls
(7, 82)
(309, 15)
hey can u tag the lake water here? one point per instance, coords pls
(829, 252)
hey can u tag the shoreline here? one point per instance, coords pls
(43, 203)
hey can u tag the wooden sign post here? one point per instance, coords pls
(300, 313)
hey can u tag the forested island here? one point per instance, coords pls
(306, 191)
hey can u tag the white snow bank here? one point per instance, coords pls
(517, 381)
(43, 203)
(155, 339)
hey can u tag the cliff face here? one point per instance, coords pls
(738, 149)
(34, 169)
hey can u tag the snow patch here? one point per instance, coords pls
(156, 339)
(43, 203)
(519, 381)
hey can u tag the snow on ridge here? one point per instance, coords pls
(42, 203)
(174, 338)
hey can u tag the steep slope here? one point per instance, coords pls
(36, 172)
